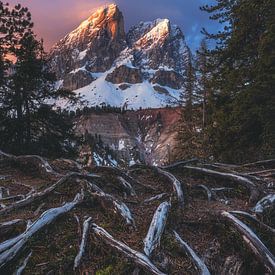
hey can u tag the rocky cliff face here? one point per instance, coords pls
(145, 135)
(95, 44)
(123, 74)
(106, 65)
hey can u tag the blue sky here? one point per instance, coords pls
(54, 18)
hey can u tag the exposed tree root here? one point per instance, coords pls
(180, 163)
(250, 218)
(139, 258)
(200, 265)
(33, 197)
(63, 246)
(10, 248)
(253, 242)
(127, 187)
(117, 206)
(86, 227)
(254, 191)
(155, 198)
(21, 268)
(176, 184)
(260, 163)
(31, 161)
(152, 240)
(208, 191)
(265, 204)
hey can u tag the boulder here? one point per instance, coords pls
(77, 80)
(170, 79)
(125, 74)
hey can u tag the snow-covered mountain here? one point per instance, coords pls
(141, 68)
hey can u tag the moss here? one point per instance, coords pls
(105, 271)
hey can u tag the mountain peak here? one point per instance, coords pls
(106, 15)
(104, 12)
(105, 65)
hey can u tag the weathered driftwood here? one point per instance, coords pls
(250, 218)
(126, 186)
(254, 192)
(155, 198)
(118, 206)
(84, 240)
(10, 248)
(21, 268)
(139, 258)
(176, 184)
(252, 242)
(265, 204)
(199, 264)
(152, 239)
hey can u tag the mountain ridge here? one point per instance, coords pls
(141, 68)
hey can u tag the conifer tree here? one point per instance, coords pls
(202, 77)
(32, 123)
(189, 80)
(242, 81)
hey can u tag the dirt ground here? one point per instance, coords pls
(199, 222)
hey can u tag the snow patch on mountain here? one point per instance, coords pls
(148, 48)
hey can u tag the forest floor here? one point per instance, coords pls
(135, 215)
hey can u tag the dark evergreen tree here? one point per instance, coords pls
(202, 80)
(242, 67)
(189, 89)
(190, 135)
(32, 123)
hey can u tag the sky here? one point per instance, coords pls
(53, 19)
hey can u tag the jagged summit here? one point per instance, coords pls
(142, 68)
(96, 43)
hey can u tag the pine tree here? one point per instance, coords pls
(32, 123)
(243, 88)
(189, 86)
(14, 24)
(202, 77)
(190, 141)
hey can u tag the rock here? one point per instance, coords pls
(160, 90)
(124, 74)
(171, 79)
(95, 44)
(144, 133)
(158, 44)
(124, 86)
(100, 45)
(77, 80)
